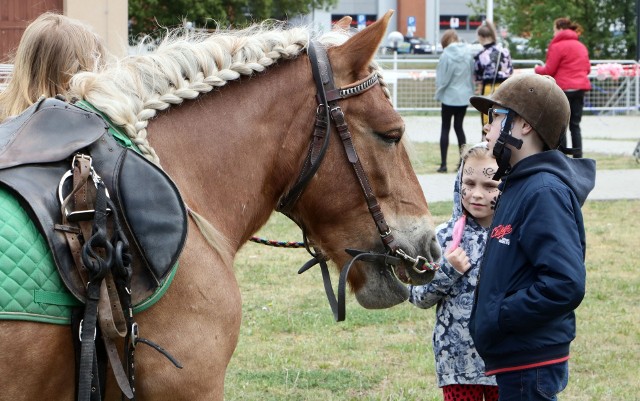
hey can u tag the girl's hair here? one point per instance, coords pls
(449, 36)
(566, 23)
(52, 49)
(478, 151)
(487, 31)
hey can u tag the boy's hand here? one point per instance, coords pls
(459, 260)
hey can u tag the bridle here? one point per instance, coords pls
(328, 112)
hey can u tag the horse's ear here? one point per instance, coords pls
(361, 48)
(344, 23)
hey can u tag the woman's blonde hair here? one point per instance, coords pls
(449, 36)
(52, 49)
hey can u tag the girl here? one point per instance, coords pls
(459, 369)
(52, 49)
(492, 65)
(454, 87)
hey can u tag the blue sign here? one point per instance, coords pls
(411, 22)
(362, 21)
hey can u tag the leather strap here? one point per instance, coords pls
(328, 111)
(84, 213)
(116, 365)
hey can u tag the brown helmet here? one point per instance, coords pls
(537, 99)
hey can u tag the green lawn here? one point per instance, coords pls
(426, 158)
(291, 349)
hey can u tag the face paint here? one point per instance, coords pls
(478, 190)
(489, 172)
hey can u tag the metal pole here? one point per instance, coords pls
(436, 28)
(395, 71)
(638, 30)
(490, 10)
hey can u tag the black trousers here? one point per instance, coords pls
(457, 113)
(576, 103)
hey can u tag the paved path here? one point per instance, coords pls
(605, 134)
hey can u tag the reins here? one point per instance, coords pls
(329, 112)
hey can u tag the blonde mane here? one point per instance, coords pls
(132, 90)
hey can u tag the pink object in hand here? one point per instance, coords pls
(458, 229)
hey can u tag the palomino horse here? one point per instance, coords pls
(234, 152)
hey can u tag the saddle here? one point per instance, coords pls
(36, 152)
(115, 223)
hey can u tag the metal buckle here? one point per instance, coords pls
(80, 215)
(95, 331)
(134, 334)
(417, 262)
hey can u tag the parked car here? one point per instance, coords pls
(420, 46)
(519, 47)
(414, 46)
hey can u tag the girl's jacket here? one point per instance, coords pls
(454, 75)
(492, 64)
(532, 277)
(567, 62)
(457, 361)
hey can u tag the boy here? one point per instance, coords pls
(532, 277)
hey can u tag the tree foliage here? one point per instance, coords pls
(609, 25)
(150, 16)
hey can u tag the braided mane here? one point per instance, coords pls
(132, 90)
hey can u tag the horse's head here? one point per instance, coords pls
(334, 209)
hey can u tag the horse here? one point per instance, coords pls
(230, 117)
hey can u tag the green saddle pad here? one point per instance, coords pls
(30, 286)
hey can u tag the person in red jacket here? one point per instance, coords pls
(568, 62)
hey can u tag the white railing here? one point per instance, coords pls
(615, 83)
(615, 88)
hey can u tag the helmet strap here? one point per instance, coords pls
(500, 151)
(569, 151)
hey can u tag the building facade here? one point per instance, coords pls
(418, 18)
(108, 18)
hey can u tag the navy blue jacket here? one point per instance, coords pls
(533, 276)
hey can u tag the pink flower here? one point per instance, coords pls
(612, 70)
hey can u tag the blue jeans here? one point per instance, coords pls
(541, 384)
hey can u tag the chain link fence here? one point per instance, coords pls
(615, 84)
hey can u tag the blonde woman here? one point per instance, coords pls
(52, 49)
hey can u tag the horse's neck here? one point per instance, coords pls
(233, 153)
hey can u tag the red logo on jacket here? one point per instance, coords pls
(500, 231)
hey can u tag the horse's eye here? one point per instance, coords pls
(393, 136)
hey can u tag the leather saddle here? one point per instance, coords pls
(36, 151)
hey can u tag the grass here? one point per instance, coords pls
(426, 159)
(291, 349)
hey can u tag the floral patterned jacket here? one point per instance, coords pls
(486, 62)
(457, 361)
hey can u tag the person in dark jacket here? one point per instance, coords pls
(532, 276)
(568, 62)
